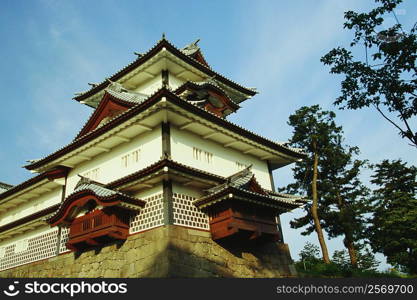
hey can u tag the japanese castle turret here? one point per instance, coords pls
(157, 183)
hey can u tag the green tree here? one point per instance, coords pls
(309, 256)
(341, 258)
(310, 252)
(345, 200)
(316, 132)
(393, 225)
(329, 176)
(386, 79)
(365, 259)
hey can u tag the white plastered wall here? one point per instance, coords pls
(223, 161)
(150, 86)
(175, 82)
(186, 190)
(149, 192)
(32, 206)
(110, 164)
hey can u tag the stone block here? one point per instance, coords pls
(167, 251)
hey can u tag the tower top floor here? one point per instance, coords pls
(166, 65)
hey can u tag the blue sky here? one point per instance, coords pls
(52, 49)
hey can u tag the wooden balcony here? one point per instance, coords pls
(243, 222)
(98, 227)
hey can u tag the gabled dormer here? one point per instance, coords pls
(116, 100)
(95, 214)
(241, 210)
(208, 95)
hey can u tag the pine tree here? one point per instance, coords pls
(345, 201)
(393, 226)
(330, 177)
(316, 132)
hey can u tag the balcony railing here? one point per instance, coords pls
(243, 222)
(98, 227)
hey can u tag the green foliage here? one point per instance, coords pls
(310, 256)
(310, 252)
(389, 81)
(366, 260)
(310, 265)
(341, 195)
(344, 198)
(393, 226)
(315, 131)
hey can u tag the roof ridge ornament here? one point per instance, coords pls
(212, 80)
(191, 48)
(115, 86)
(85, 180)
(245, 172)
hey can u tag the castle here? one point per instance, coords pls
(157, 183)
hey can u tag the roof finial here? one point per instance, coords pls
(163, 35)
(196, 42)
(93, 84)
(115, 86)
(83, 180)
(138, 54)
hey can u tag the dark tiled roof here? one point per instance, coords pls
(23, 185)
(191, 49)
(180, 54)
(237, 180)
(115, 93)
(159, 165)
(116, 90)
(4, 187)
(148, 103)
(42, 213)
(239, 184)
(119, 119)
(96, 188)
(210, 83)
(87, 187)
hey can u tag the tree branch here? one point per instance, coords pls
(412, 137)
(388, 119)
(398, 127)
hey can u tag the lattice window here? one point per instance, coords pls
(92, 174)
(64, 240)
(202, 155)
(131, 158)
(240, 166)
(29, 250)
(187, 214)
(152, 215)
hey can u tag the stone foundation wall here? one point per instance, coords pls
(167, 251)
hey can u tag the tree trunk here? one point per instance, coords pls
(352, 252)
(314, 213)
(347, 241)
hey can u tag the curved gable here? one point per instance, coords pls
(108, 108)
